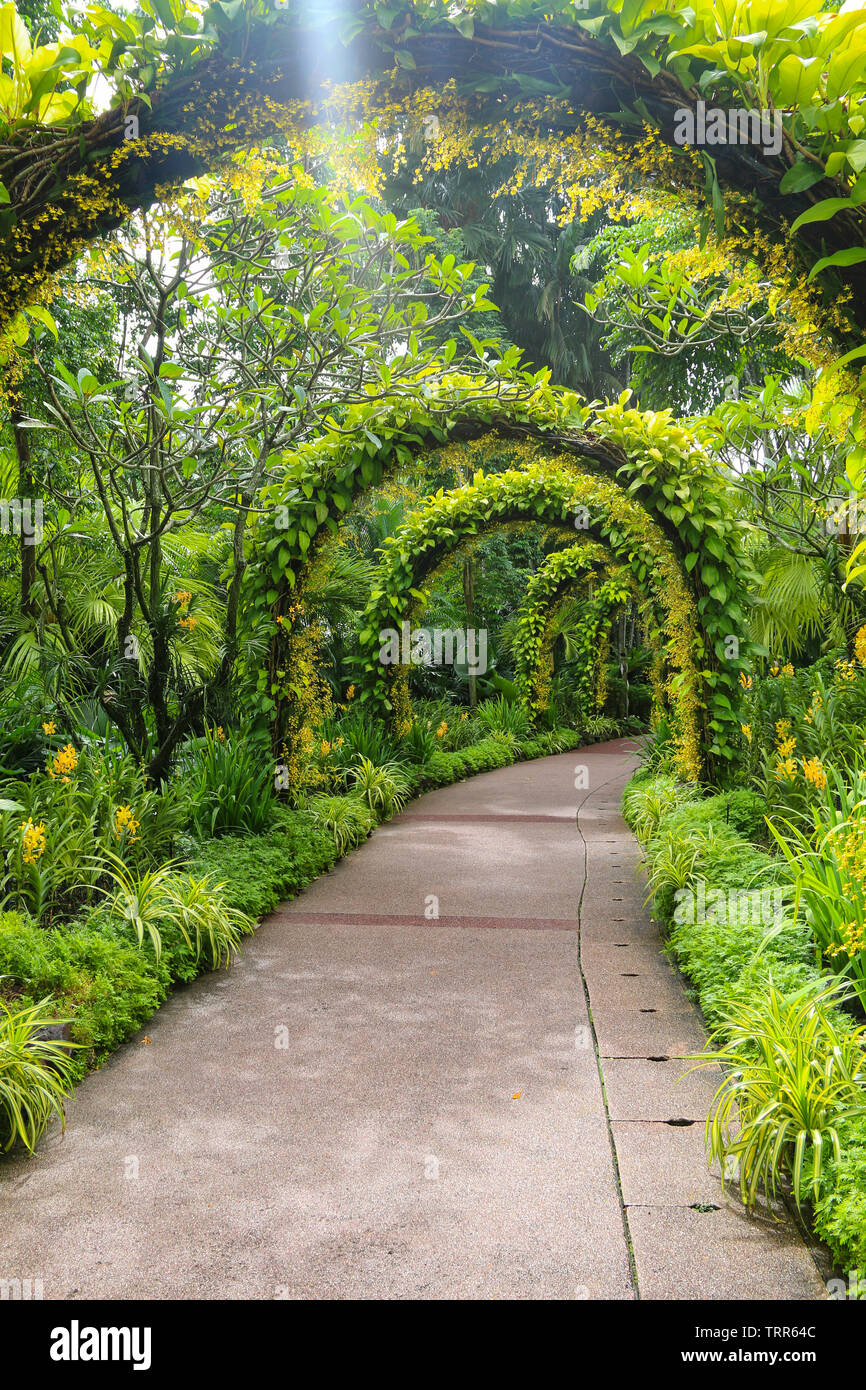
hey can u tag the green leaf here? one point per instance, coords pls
(823, 211)
(800, 176)
(852, 255)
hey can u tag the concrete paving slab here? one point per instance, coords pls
(633, 1033)
(639, 1089)
(723, 1254)
(655, 987)
(664, 1165)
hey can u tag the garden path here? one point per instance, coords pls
(380, 1103)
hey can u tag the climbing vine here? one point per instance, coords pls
(532, 644)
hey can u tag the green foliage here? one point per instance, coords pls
(259, 871)
(532, 637)
(600, 728)
(228, 783)
(828, 865)
(151, 899)
(664, 465)
(503, 716)
(645, 802)
(70, 820)
(35, 1074)
(99, 978)
(840, 1210)
(794, 1076)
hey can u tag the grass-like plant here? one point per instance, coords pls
(829, 868)
(151, 899)
(140, 898)
(208, 925)
(673, 860)
(385, 788)
(230, 784)
(599, 728)
(503, 716)
(795, 1072)
(35, 1073)
(646, 802)
(348, 819)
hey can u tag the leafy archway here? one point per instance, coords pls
(552, 489)
(639, 481)
(533, 649)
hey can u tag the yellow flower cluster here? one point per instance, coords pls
(817, 702)
(853, 940)
(747, 732)
(813, 771)
(183, 597)
(49, 727)
(746, 681)
(125, 823)
(849, 851)
(64, 763)
(860, 646)
(32, 841)
(845, 671)
(188, 623)
(442, 730)
(786, 769)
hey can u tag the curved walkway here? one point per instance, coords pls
(378, 1102)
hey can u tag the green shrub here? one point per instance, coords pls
(600, 729)
(441, 769)
(259, 871)
(647, 801)
(96, 975)
(503, 716)
(840, 1210)
(385, 787)
(532, 748)
(727, 960)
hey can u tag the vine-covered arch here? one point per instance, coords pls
(650, 465)
(533, 651)
(552, 490)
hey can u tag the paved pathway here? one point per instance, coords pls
(379, 1103)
